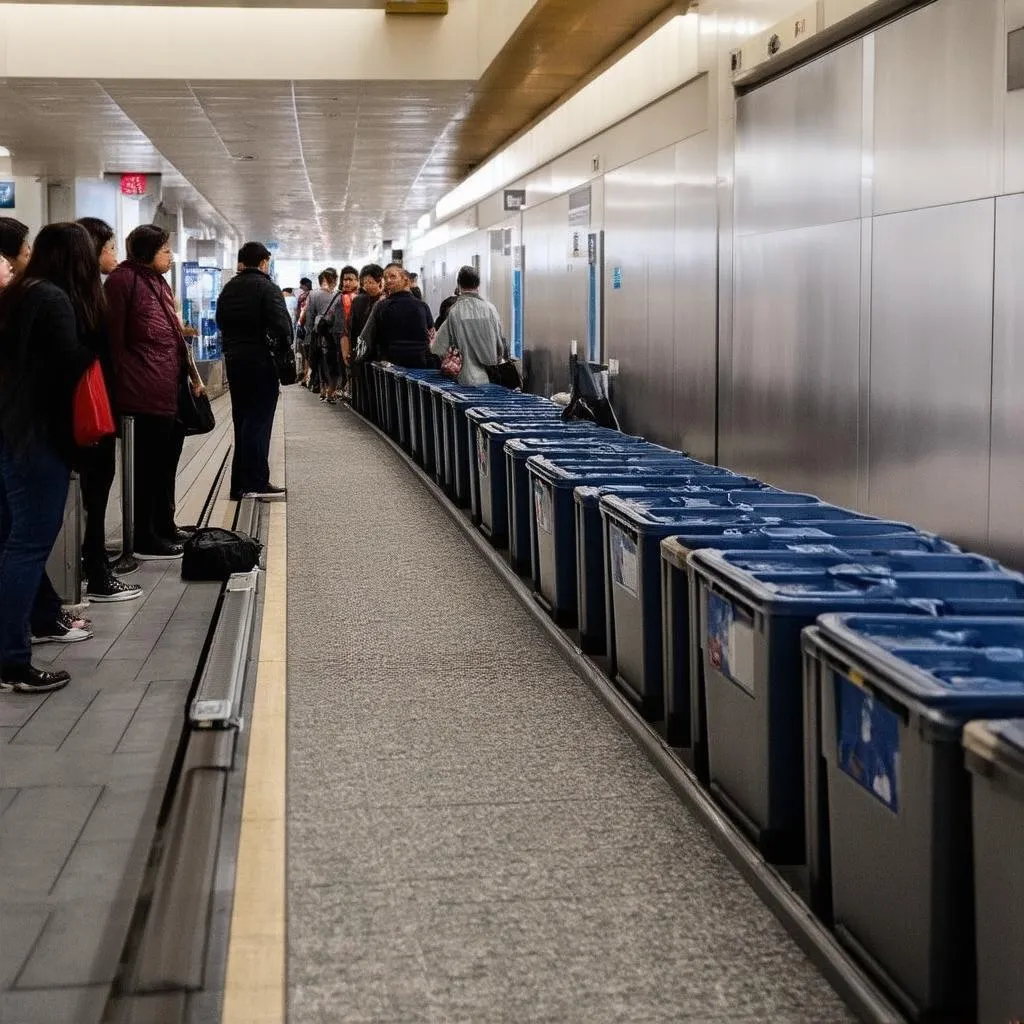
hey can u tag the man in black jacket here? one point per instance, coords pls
(256, 336)
(371, 281)
(401, 327)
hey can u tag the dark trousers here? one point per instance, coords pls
(33, 492)
(254, 394)
(46, 608)
(158, 444)
(97, 476)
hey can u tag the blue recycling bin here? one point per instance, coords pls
(428, 435)
(455, 405)
(895, 693)
(517, 478)
(556, 550)
(553, 522)
(633, 529)
(748, 629)
(379, 404)
(685, 713)
(591, 614)
(411, 387)
(469, 454)
(994, 755)
(488, 485)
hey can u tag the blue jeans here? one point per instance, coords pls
(33, 492)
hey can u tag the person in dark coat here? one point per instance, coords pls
(256, 335)
(149, 355)
(371, 283)
(100, 464)
(401, 328)
(44, 316)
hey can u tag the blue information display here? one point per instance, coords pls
(868, 744)
(517, 314)
(7, 195)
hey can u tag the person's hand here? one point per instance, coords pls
(198, 388)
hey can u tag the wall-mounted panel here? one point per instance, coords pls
(1006, 508)
(795, 361)
(695, 368)
(931, 367)
(798, 146)
(1013, 132)
(938, 106)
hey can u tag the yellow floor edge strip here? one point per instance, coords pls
(255, 988)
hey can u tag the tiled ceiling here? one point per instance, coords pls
(322, 168)
(67, 128)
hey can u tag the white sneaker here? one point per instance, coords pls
(65, 635)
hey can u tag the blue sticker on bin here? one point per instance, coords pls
(868, 742)
(730, 643)
(542, 506)
(623, 551)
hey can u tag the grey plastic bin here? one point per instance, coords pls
(995, 758)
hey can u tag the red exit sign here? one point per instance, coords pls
(133, 184)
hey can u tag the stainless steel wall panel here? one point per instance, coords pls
(696, 295)
(798, 146)
(931, 366)
(938, 106)
(796, 359)
(1006, 505)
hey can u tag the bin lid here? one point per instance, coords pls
(838, 562)
(997, 742)
(628, 465)
(584, 442)
(973, 666)
(641, 511)
(821, 591)
(652, 480)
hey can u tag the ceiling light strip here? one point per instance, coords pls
(305, 173)
(661, 63)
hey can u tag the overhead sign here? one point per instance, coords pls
(6, 195)
(515, 199)
(416, 7)
(133, 184)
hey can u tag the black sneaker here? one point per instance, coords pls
(108, 589)
(66, 630)
(158, 550)
(26, 679)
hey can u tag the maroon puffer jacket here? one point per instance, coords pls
(145, 340)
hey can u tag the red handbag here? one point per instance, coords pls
(92, 417)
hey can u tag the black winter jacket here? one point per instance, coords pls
(42, 359)
(253, 319)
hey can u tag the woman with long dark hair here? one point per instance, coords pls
(149, 354)
(44, 316)
(99, 465)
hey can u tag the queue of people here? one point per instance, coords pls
(57, 319)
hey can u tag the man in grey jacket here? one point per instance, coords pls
(474, 327)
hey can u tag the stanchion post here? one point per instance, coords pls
(127, 563)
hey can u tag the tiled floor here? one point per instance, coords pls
(471, 836)
(82, 775)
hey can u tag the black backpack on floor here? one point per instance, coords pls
(212, 555)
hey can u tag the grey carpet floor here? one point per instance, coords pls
(471, 837)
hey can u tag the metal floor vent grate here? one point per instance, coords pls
(218, 695)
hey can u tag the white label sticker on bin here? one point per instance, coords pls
(542, 506)
(729, 643)
(868, 742)
(483, 453)
(624, 564)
